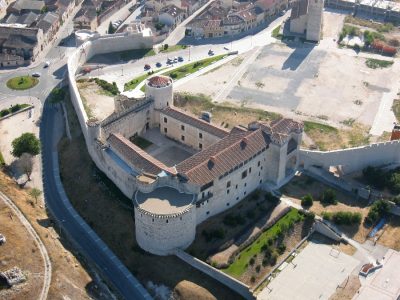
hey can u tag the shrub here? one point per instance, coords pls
(258, 268)
(4, 113)
(394, 182)
(281, 248)
(273, 259)
(253, 279)
(213, 234)
(233, 220)
(374, 177)
(15, 108)
(307, 201)
(329, 197)
(377, 210)
(173, 75)
(26, 143)
(250, 214)
(346, 218)
(252, 261)
(109, 87)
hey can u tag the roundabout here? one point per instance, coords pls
(22, 82)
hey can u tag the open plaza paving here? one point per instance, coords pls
(314, 273)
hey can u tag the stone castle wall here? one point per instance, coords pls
(353, 159)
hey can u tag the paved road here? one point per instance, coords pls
(76, 228)
(43, 251)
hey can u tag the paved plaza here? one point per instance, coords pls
(314, 274)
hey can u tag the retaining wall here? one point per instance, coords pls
(353, 159)
(218, 275)
(324, 229)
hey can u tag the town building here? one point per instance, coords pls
(219, 167)
(20, 7)
(86, 19)
(171, 15)
(306, 19)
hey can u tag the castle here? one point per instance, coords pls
(306, 18)
(218, 170)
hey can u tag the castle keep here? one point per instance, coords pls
(172, 193)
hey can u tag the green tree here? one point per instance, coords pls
(35, 193)
(329, 197)
(307, 201)
(26, 143)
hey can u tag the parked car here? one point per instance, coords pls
(226, 48)
(147, 67)
(175, 59)
(46, 64)
(158, 65)
(169, 61)
(210, 52)
(36, 74)
(180, 58)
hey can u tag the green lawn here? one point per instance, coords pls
(131, 85)
(185, 70)
(22, 82)
(136, 54)
(310, 126)
(239, 266)
(172, 48)
(13, 109)
(275, 32)
(377, 63)
(142, 143)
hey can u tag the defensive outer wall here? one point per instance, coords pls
(352, 159)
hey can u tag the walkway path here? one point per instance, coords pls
(36, 238)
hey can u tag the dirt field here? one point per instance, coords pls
(302, 185)
(21, 251)
(114, 223)
(69, 278)
(389, 236)
(99, 104)
(347, 289)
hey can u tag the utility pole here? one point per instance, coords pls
(189, 52)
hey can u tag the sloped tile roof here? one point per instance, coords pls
(195, 122)
(280, 129)
(136, 157)
(223, 156)
(159, 81)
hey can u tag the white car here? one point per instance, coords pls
(36, 74)
(46, 64)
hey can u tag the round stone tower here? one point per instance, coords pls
(165, 219)
(160, 89)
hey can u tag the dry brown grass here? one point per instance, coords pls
(333, 139)
(114, 223)
(64, 264)
(186, 290)
(21, 251)
(302, 185)
(389, 236)
(347, 289)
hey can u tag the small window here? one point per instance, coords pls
(237, 198)
(227, 204)
(227, 191)
(208, 213)
(259, 173)
(244, 174)
(260, 181)
(236, 186)
(245, 193)
(182, 137)
(167, 221)
(245, 184)
(152, 220)
(200, 135)
(183, 127)
(200, 146)
(165, 130)
(249, 170)
(228, 184)
(259, 163)
(165, 120)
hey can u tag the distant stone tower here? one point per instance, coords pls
(314, 22)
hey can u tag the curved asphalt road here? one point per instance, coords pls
(84, 237)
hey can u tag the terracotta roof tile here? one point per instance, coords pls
(136, 157)
(159, 81)
(221, 157)
(195, 122)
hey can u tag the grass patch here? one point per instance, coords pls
(2, 162)
(226, 115)
(136, 54)
(22, 82)
(311, 126)
(385, 27)
(13, 109)
(378, 63)
(172, 48)
(191, 68)
(141, 142)
(239, 266)
(275, 32)
(396, 109)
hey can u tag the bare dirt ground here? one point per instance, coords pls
(389, 236)
(112, 220)
(347, 289)
(99, 103)
(301, 185)
(305, 82)
(69, 278)
(20, 251)
(15, 126)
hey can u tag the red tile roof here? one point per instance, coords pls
(159, 81)
(136, 157)
(195, 122)
(221, 157)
